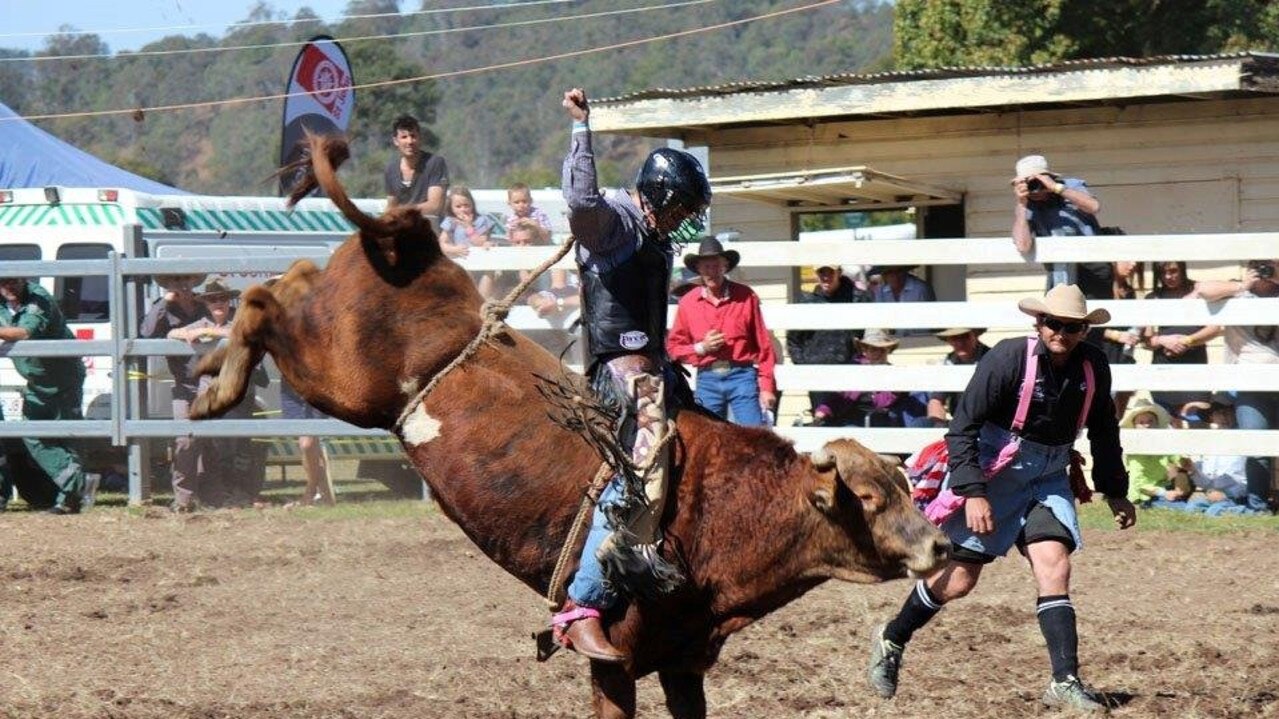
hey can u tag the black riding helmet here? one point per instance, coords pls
(673, 180)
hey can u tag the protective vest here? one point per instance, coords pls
(624, 308)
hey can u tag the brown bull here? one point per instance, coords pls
(752, 523)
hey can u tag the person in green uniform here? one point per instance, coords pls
(55, 385)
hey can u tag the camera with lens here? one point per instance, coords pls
(1265, 270)
(1034, 184)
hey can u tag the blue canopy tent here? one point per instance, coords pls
(31, 157)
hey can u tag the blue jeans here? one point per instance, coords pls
(587, 588)
(1257, 410)
(737, 388)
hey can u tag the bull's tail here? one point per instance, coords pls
(384, 238)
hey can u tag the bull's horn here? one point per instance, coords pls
(822, 459)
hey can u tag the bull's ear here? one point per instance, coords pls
(822, 495)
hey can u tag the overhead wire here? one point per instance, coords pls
(259, 23)
(138, 112)
(355, 38)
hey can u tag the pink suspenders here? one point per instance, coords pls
(1028, 387)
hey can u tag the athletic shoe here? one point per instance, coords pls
(1072, 694)
(885, 662)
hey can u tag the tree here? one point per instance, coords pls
(940, 33)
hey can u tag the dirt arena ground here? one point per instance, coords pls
(391, 613)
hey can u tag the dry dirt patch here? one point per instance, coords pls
(270, 614)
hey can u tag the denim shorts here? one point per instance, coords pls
(1037, 475)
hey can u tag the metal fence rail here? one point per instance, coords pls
(126, 277)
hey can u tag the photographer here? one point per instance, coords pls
(1049, 205)
(1251, 345)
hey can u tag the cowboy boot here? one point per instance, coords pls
(580, 629)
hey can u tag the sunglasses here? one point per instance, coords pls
(1056, 325)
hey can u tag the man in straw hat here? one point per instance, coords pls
(719, 329)
(965, 349)
(178, 307)
(1027, 501)
(230, 467)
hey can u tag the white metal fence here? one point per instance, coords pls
(126, 426)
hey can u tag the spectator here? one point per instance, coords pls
(463, 228)
(881, 408)
(720, 330)
(1049, 205)
(965, 349)
(319, 483)
(232, 467)
(55, 388)
(1251, 344)
(415, 177)
(553, 293)
(520, 199)
(897, 284)
(179, 308)
(1221, 480)
(826, 346)
(1152, 477)
(1118, 344)
(1179, 344)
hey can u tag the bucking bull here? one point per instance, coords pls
(752, 523)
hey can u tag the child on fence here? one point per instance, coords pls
(463, 227)
(1153, 477)
(520, 199)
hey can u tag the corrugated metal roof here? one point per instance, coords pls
(1262, 61)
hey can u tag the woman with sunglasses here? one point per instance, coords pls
(1029, 502)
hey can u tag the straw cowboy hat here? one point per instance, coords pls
(170, 282)
(1064, 302)
(959, 332)
(878, 338)
(712, 247)
(1163, 420)
(216, 290)
(1032, 165)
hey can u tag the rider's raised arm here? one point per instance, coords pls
(591, 217)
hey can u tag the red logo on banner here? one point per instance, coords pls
(323, 79)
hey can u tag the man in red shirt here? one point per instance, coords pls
(719, 329)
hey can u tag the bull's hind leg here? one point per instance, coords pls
(685, 694)
(234, 363)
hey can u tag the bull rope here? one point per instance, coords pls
(494, 314)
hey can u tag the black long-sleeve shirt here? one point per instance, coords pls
(1052, 419)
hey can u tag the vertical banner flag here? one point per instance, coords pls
(321, 98)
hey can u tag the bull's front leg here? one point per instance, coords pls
(685, 693)
(612, 691)
(234, 363)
